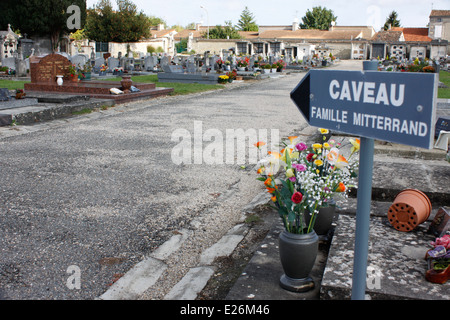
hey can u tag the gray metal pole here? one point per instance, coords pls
(363, 209)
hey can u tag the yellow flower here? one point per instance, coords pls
(326, 145)
(323, 131)
(317, 146)
(356, 144)
(318, 162)
(289, 173)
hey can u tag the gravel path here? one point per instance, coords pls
(100, 192)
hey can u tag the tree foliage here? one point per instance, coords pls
(392, 20)
(318, 18)
(40, 17)
(223, 32)
(103, 24)
(247, 21)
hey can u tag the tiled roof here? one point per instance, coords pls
(440, 13)
(414, 34)
(387, 36)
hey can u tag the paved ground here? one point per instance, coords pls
(95, 195)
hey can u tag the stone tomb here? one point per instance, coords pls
(45, 69)
(43, 79)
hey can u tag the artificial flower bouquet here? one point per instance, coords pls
(309, 178)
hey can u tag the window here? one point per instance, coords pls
(275, 47)
(438, 31)
(102, 46)
(242, 47)
(259, 48)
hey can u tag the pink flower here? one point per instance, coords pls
(301, 146)
(299, 167)
(292, 179)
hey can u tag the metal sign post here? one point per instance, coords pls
(364, 201)
(390, 106)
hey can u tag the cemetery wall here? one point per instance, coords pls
(115, 47)
(212, 45)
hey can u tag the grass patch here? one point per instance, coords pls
(444, 77)
(82, 111)
(12, 84)
(179, 88)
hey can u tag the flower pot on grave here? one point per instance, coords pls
(241, 68)
(126, 83)
(20, 95)
(87, 76)
(74, 78)
(297, 256)
(410, 208)
(59, 81)
(324, 219)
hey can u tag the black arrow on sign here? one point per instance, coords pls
(301, 96)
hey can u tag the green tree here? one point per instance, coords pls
(247, 21)
(392, 20)
(156, 21)
(40, 17)
(103, 24)
(223, 32)
(318, 18)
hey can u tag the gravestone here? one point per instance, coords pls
(98, 64)
(172, 68)
(113, 63)
(4, 94)
(9, 62)
(79, 60)
(45, 69)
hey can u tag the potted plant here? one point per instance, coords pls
(102, 70)
(266, 67)
(243, 63)
(73, 73)
(231, 76)
(85, 73)
(20, 94)
(223, 79)
(309, 178)
(439, 260)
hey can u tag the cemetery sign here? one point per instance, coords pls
(391, 106)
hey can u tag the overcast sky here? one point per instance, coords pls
(411, 13)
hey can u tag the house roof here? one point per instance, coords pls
(387, 36)
(440, 13)
(414, 34)
(161, 33)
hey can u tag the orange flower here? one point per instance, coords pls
(259, 144)
(341, 187)
(274, 199)
(292, 138)
(270, 190)
(260, 170)
(268, 182)
(275, 154)
(341, 162)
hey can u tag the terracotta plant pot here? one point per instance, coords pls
(410, 208)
